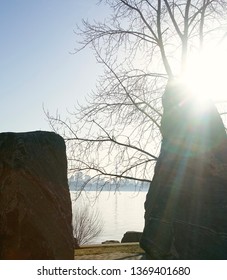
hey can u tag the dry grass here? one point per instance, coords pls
(108, 251)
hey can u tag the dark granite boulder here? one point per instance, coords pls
(186, 205)
(111, 242)
(131, 236)
(35, 205)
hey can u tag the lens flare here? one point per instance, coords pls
(205, 75)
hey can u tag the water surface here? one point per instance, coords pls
(120, 211)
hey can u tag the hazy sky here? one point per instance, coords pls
(35, 65)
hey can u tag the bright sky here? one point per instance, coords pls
(36, 68)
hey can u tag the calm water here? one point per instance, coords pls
(119, 211)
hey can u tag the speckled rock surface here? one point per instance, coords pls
(35, 205)
(186, 205)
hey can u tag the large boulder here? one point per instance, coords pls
(35, 205)
(110, 242)
(186, 205)
(131, 236)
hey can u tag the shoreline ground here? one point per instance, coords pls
(119, 251)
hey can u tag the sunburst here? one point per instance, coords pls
(206, 75)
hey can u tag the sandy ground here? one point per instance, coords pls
(122, 251)
(111, 256)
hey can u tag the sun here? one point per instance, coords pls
(205, 74)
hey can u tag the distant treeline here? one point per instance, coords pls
(80, 181)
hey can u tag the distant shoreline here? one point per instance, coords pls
(122, 189)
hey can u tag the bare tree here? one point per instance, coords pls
(87, 224)
(141, 45)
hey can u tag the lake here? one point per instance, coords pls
(119, 211)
